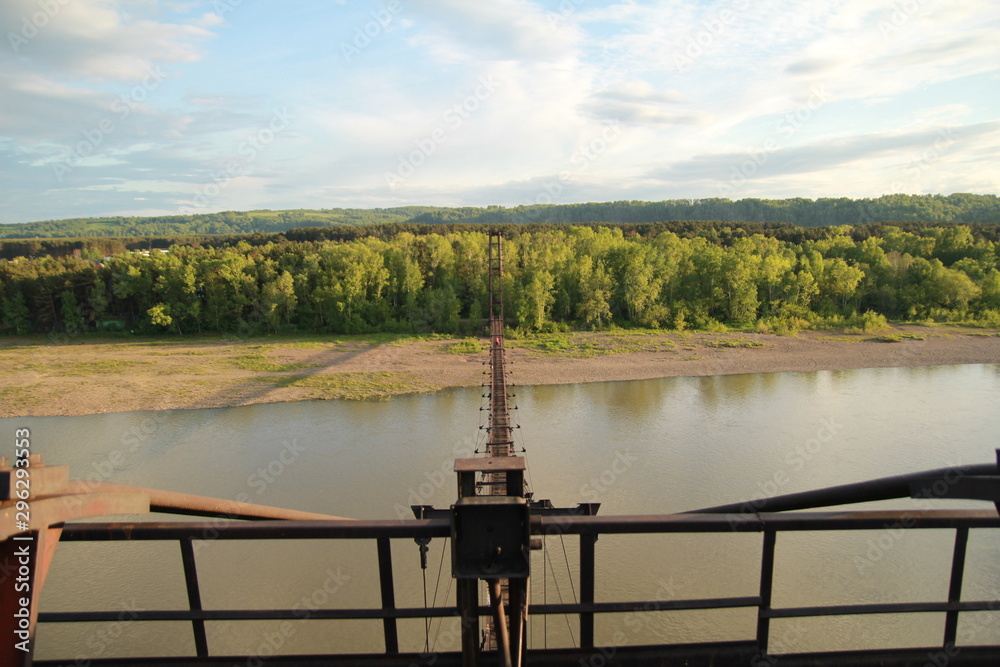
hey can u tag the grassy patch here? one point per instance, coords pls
(897, 337)
(360, 386)
(100, 367)
(17, 401)
(260, 362)
(308, 345)
(839, 339)
(467, 346)
(558, 345)
(733, 342)
(591, 344)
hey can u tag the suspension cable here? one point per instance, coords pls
(437, 587)
(555, 580)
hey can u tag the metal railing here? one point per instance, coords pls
(588, 528)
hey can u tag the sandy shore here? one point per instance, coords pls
(96, 376)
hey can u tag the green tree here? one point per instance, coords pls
(535, 300)
(595, 290)
(159, 315)
(839, 281)
(279, 301)
(15, 311)
(69, 309)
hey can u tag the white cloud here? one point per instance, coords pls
(693, 87)
(100, 40)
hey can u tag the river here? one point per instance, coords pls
(643, 447)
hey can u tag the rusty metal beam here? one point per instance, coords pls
(55, 510)
(256, 530)
(518, 615)
(173, 502)
(884, 488)
(566, 525)
(499, 622)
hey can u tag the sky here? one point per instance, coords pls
(151, 107)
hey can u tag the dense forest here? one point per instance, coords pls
(777, 278)
(960, 208)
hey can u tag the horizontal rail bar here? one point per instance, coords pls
(535, 610)
(709, 653)
(248, 614)
(370, 613)
(885, 608)
(643, 606)
(553, 525)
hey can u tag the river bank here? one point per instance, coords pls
(89, 376)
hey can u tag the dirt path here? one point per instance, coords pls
(95, 376)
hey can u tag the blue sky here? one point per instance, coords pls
(146, 107)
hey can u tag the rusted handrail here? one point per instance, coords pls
(587, 527)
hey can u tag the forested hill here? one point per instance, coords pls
(554, 278)
(960, 208)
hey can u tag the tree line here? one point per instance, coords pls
(555, 278)
(954, 208)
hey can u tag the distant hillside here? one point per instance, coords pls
(960, 208)
(225, 222)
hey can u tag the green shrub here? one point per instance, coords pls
(867, 322)
(713, 325)
(781, 326)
